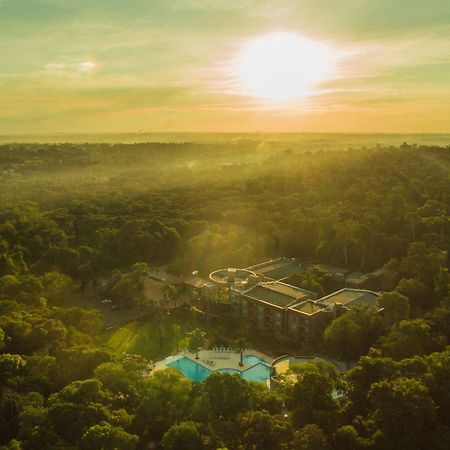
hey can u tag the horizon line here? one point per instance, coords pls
(80, 133)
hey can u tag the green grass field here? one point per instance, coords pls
(143, 337)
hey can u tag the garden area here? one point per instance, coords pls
(151, 338)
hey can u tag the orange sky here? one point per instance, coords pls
(102, 66)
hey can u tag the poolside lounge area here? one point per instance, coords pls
(219, 358)
(256, 366)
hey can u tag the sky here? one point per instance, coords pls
(170, 65)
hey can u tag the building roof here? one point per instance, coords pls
(277, 294)
(356, 278)
(334, 270)
(195, 282)
(232, 276)
(351, 298)
(307, 307)
(278, 269)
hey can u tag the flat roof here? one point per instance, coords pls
(357, 277)
(278, 269)
(195, 282)
(332, 269)
(277, 294)
(351, 297)
(307, 307)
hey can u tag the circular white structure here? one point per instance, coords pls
(232, 277)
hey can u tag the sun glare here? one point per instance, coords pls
(282, 66)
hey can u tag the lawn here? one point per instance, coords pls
(152, 338)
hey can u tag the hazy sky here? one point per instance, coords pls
(167, 65)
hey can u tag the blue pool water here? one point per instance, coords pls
(259, 372)
(196, 372)
(252, 359)
(190, 369)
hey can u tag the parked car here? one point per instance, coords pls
(106, 301)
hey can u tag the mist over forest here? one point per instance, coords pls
(84, 224)
(224, 225)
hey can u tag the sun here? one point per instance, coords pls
(282, 66)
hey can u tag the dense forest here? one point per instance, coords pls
(202, 206)
(89, 218)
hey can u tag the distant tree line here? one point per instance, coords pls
(89, 220)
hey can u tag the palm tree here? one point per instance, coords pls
(241, 345)
(177, 333)
(195, 339)
(170, 295)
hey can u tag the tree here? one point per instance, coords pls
(170, 295)
(125, 292)
(408, 338)
(10, 366)
(176, 329)
(85, 320)
(367, 371)
(2, 338)
(439, 321)
(346, 437)
(86, 274)
(310, 437)
(352, 334)
(310, 397)
(341, 335)
(442, 284)
(66, 259)
(391, 274)
(422, 262)
(7, 266)
(195, 339)
(11, 405)
(107, 437)
(121, 380)
(71, 419)
(404, 412)
(440, 437)
(241, 345)
(227, 394)
(270, 400)
(9, 286)
(184, 435)
(437, 380)
(434, 215)
(166, 400)
(57, 287)
(259, 429)
(346, 235)
(141, 269)
(416, 292)
(396, 307)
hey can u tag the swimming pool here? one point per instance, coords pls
(196, 372)
(190, 369)
(252, 359)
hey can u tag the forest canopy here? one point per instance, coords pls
(81, 217)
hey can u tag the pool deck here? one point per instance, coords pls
(285, 363)
(214, 360)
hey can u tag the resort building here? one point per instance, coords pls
(307, 320)
(351, 298)
(277, 269)
(359, 280)
(265, 305)
(281, 269)
(258, 296)
(295, 312)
